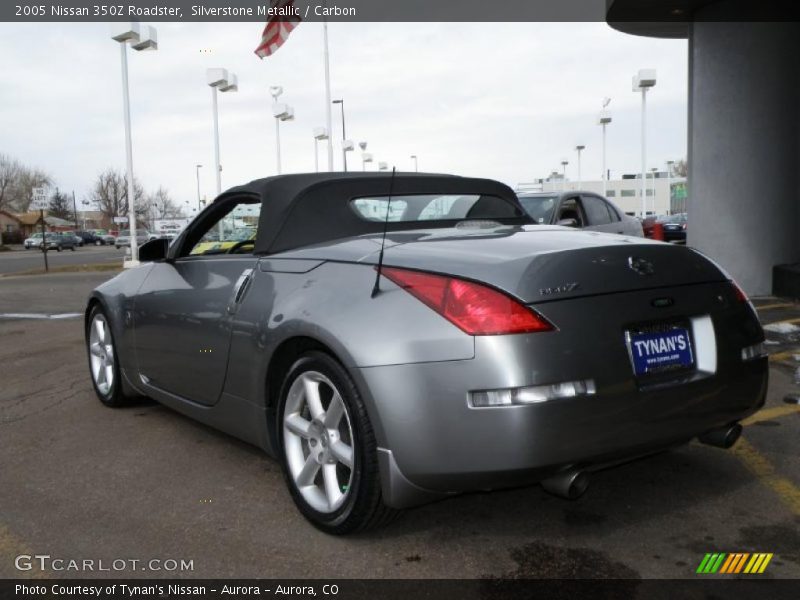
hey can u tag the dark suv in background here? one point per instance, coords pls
(90, 237)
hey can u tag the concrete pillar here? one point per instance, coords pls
(744, 145)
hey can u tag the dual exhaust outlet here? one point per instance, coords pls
(572, 483)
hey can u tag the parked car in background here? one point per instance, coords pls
(59, 242)
(34, 241)
(583, 210)
(142, 235)
(108, 239)
(90, 238)
(674, 227)
(73, 234)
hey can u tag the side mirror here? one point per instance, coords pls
(154, 250)
(567, 222)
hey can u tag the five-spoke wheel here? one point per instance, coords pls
(101, 354)
(329, 448)
(318, 439)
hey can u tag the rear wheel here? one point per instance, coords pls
(329, 453)
(103, 363)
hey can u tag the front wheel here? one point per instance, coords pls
(329, 450)
(103, 363)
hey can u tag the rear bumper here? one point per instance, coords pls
(434, 443)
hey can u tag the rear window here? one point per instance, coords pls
(434, 207)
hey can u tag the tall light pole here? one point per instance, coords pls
(226, 82)
(320, 133)
(281, 112)
(579, 149)
(197, 171)
(140, 37)
(669, 184)
(564, 164)
(654, 171)
(340, 102)
(643, 81)
(416, 164)
(604, 119)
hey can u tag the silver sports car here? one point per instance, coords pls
(393, 340)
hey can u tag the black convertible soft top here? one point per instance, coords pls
(305, 209)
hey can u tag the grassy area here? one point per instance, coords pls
(95, 267)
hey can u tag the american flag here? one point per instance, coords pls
(278, 28)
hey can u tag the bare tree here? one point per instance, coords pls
(9, 173)
(110, 194)
(681, 168)
(163, 207)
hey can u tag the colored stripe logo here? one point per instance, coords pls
(734, 563)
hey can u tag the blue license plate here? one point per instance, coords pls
(653, 352)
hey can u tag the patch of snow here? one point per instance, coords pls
(781, 327)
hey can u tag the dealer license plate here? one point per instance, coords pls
(667, 349)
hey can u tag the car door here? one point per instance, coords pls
(600, 216)
(184, 309)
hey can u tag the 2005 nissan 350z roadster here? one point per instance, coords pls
(394, 339)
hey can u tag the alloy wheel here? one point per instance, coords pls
(101, 353)
(318, 441)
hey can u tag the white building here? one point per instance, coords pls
(626, 193)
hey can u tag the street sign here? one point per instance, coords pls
(39, 199)
(120, 219)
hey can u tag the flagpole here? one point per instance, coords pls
(328, 117)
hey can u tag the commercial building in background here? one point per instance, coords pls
(665, 195)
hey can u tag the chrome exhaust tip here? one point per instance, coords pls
(723, 437)
(569, 484)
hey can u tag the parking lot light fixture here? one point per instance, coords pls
(604, 119)
(382, 166)
(224, 81)
(140, 37)
(320, 133)
(642, 82)
(197, 171)
(564, 164)
(340, 102)
(579, 149)
(669, 183)
(416, 164)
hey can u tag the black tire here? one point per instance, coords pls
(115, 396)
(58, 248)
(363, 507)
(73, 248)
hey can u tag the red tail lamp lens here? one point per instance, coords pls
(740, 295)
(474, 308)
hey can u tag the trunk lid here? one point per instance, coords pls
(540, 263)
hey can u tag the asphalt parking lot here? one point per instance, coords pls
(81, 481)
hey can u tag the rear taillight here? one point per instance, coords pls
(739, 293)
(474, 308)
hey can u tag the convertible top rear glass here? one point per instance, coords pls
(306, 209)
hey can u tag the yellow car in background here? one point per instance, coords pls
(212, 247)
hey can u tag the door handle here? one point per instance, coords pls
(238, 290)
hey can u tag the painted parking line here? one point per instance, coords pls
(755, 462)
(775, 306)
(768, 414)
(40, 316)
(787, 355)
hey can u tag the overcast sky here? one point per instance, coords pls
(506, 101)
